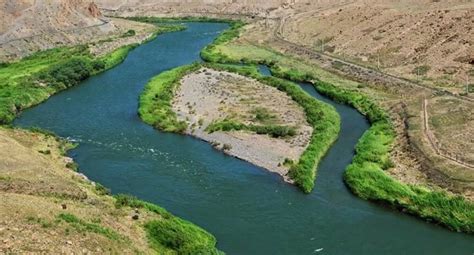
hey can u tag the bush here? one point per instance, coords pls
(171, 232)
(129, 33)
(272, 130)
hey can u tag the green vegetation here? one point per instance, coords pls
(42, 222)
(129, 33)
(83, 226)
(170, 232)
(272, 130)
(155, 101)
(210, 54)
(33, 79)
(263, 116)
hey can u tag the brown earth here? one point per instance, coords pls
(207, 96)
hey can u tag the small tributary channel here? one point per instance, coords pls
(248, 209)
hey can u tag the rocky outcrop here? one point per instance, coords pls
(94, 10)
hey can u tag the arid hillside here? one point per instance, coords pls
(27, 26)
(430, 41)
(251, 7)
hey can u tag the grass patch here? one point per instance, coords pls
(421, 70)
(210, 54)
(263, 115)
(155, 101)
(275, 131)
(83, 226)
(170, 232)
(42, 222)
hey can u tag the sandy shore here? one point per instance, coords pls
(208, 95)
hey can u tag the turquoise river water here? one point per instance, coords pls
(248, 209)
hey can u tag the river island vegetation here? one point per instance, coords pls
(155, 109)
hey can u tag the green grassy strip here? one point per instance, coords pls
(210, 54)
(155, 101)
(367, 179)
(83, 226)
(39, 79)
(366, 176)
(275, 131)
(170, 232)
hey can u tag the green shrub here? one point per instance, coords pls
(129, 33)
(262, 115)
(211, 55)
(272, 130)
(171, 232)
(83, 226)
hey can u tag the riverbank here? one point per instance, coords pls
(47, 207)
(367, 175)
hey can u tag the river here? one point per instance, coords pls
(248, 209)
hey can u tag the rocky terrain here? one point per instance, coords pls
(208, 96)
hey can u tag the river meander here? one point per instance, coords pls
(248, 209)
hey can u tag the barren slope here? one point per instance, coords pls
(429, 40)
